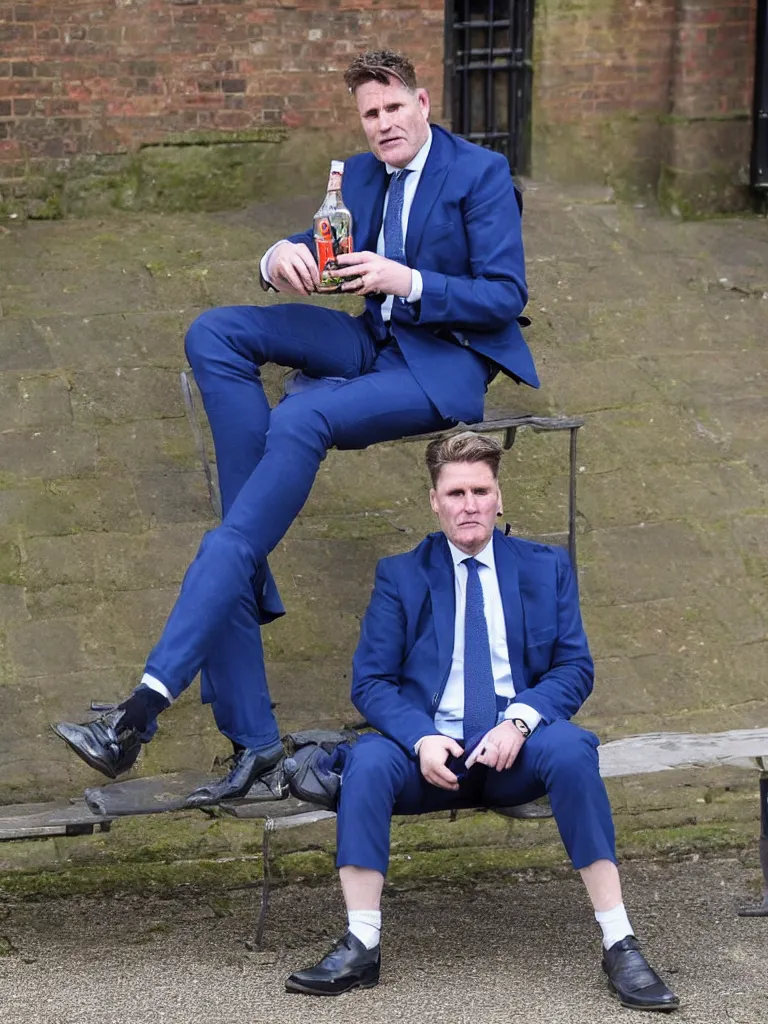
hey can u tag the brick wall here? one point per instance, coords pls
(619, 86)
(103, 76)
(632, 92)
(595, 60)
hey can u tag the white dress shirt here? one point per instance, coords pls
(449, 718)
(416, 166)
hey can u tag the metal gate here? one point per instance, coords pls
(488, 72)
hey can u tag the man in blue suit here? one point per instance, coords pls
(471, 661)
(440, 263)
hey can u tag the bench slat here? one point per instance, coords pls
(663, 751)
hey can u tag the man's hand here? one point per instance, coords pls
(433, 753)
(498, 748)
(371, 274)
(292, 268)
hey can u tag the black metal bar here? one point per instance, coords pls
(572, 498)
(498, 22)
(466, 110)
(759, 161)
(265, 874)
(762, 909)
(484, 65)
(449, 59)
(490, 124)
(189, 403)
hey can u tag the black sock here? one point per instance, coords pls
(237, 747)
(141, 708)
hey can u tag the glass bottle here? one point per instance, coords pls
(333, 230)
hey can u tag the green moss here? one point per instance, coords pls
(49, 208)
(418, 859)
(10, 563)
(184, 139)
(106, 880)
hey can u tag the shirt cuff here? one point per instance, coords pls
(417, 287)
(265, 261)
(529, 715)
(417, 744)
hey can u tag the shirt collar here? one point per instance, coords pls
(417, 164)
(485, 557)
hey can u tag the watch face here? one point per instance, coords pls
(522, 726)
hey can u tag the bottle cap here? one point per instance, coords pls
(337, 166)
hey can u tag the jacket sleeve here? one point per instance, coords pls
(495, 292)
(377, 665)
(307, 237)
(564, 687)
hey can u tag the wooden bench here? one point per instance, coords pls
(631, 756)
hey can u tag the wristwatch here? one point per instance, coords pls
(522, 725)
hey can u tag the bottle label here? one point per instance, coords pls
(332, 238)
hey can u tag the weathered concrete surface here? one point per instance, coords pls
(653, 329)
(498, 951)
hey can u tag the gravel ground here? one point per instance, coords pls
(525, 950)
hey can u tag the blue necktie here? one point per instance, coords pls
(479, 689)
(394, 246)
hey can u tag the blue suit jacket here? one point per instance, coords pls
(465, 238)
(403, 658)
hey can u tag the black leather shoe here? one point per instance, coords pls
(631, 978)
(247, 767)
(348, 965)
(102, 744)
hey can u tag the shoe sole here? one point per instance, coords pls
(296, 986)
(98, 766)
(652, 1007)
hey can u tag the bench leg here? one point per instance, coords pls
(572, 498)
(186, 380)
(762, 909)
(264, 908)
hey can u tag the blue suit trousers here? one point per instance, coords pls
(559, 759)
(267, 460)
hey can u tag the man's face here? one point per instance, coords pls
(395, 120)
(466, 501)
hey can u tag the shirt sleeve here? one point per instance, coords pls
(265, 261)
(417, 285)
(529, 715)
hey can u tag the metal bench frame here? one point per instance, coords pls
(507, 423)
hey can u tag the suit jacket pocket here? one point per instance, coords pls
(440, 230)
(545, 635)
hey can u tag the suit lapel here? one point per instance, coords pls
(440, 580)
(514, 616)
(430, 184)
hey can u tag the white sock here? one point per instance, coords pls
(615, 925)
(366, 926)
